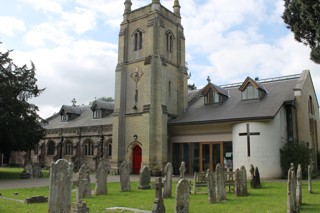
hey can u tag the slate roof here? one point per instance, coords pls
(279, 91)
(99, 104)
(85, 119)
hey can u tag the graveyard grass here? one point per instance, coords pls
(10, 173)
(272, 197)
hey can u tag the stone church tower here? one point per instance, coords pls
(150, 84)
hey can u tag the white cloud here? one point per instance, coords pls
(9, 25)
(46, 5)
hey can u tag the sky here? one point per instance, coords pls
(74, 44)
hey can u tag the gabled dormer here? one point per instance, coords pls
(69, 113)
(251, 89)
(101, 109)
(214, 94)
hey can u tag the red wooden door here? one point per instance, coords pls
(136, 160)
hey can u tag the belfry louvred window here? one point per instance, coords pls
(138, 40)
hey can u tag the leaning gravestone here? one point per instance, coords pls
(124, 177)
(299, 187)
(251, 171)
(144, 178)
(60, 186)
(158, 204)
(101, 177)
(291, 188)
(167, 182)
(37, 170)
(84, 180)
(255, 180)
(181, 204)
(182, 170)
(212, 196)
(220, 183)
(309, 179)
(29, 168)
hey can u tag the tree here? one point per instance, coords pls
(302, 18)
(20, 126)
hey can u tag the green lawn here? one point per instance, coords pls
(270, 198)
(9, 173)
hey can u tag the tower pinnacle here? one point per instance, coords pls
(155, 5)
(176, 7)
(127, 9)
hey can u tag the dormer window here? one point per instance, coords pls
(250, 90)
(250, 93)
(214, 94)
(97, 113)
(64, 117)
(138, 40)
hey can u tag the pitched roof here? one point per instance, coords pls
(234, 108)
(253, 82)
(99, 104)
(215, 88)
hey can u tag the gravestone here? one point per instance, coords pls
(220, 183)
(309, 179)
(144, 178)
(212, 196)
(291, 189)
(299, 187)
(181, 204)
(29, 168)
(124, 177)
(158, 204)
(102, 177)
(167, 182)
(60, 186)
(79, 206)
(182, 170)
(255, 181)
(84, 180)
(36, 199)
(237, 182)
(243, 180)
(251, 171)
(37, 170)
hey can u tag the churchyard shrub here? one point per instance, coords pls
(296, 153)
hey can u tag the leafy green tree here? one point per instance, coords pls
(20, 126)
(192, 87)
(302, 18)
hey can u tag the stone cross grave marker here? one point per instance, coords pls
(299, 187)
(182, 170)
(124, 177)
(79, 206)
(158, 204)
(182, 199)
(84, 179)
(102, 177)
(144, 178)
(167, 187)
(60, 186)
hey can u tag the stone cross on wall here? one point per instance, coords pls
(248, 133)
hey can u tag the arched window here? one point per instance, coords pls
(51, 148)
(88, 148)
(169, 41)
(138, 40)
(68, 148)
(310, 106)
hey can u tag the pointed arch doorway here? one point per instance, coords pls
(136, 159)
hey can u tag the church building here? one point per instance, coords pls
(155, 119)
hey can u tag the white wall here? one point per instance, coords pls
(265, 148)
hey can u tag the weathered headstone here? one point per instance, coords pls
(60, 186)
(251, 171)
(255, 179)
(84, 180)
(309, 179)
(237, 182)
(299, 187)
(167, 182)
(101, 177)
(144, 178)
(220, 182)
(28, 167)
(158, 204)
(79, 206)
(243, 174)
(124, 177)
(212, 197)
(37, 170)
(181, 204)
(182, 170)
(291, 189)
(194, 185)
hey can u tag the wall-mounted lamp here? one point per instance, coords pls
(135, 137)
